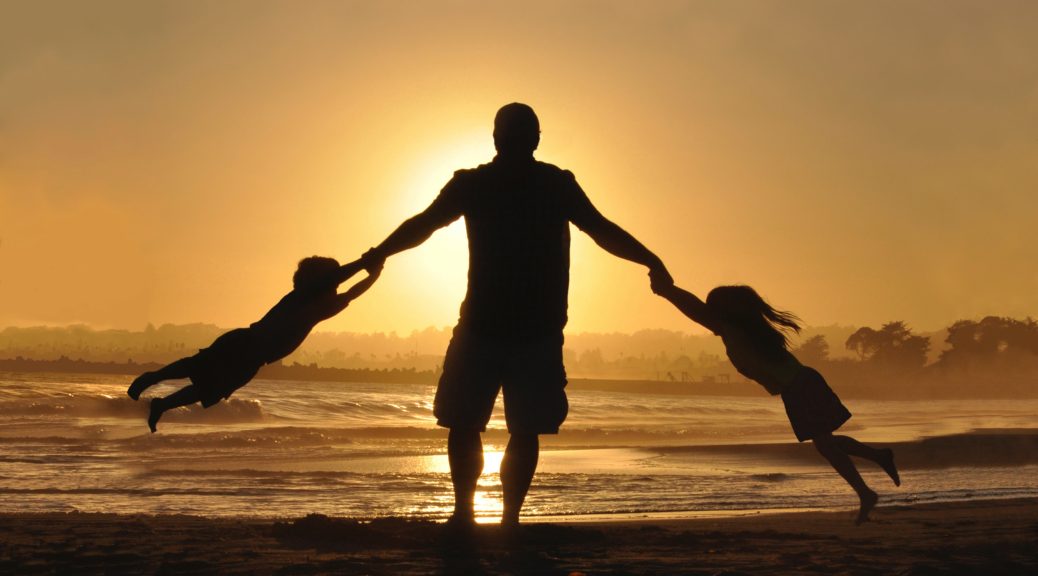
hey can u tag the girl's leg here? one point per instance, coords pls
(183, 397)
(841, 462)
(179, 369)
(884, 457)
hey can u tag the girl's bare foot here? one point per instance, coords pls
(868, 502)
(154, 414)
(887, 462)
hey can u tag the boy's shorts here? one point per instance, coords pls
(227, 364)
(812, 406)
(530, 371)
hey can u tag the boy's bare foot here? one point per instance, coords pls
(154, 414)
(887, 462)
(868, 502)
(140, 384)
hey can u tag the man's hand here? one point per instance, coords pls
(375, 270)
(373, 261)
(660, 279)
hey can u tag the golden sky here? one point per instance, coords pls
(857, 162)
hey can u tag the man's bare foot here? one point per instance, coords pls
(459, 530)
(868, 502)
(154, 414)
(140, 384)
(458, 520)
(887, 462)
(509, 519)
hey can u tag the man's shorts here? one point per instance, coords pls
(529, 370)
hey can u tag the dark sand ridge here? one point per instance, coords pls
(980, 537)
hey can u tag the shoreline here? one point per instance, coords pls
(708, 388)
(988, 536)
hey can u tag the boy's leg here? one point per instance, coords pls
(517, 469)
(179, 369)
(465, 456)
(841, 462)
(183, 397)
(884, 457)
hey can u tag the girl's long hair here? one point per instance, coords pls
(740, 305)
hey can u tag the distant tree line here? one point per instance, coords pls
(995, 356)
(993, 341)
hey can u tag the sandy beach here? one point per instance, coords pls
(982, 537)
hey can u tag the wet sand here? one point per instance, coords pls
(982, 537)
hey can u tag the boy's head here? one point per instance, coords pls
(315, 273)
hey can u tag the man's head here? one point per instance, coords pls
(516, 130)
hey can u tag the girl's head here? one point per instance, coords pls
(315, 273)
(743, 307)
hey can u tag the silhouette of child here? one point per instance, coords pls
(233, 359)
(754, 338)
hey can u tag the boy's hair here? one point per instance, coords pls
(742, 306)
(315, 273)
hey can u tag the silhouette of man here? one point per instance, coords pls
(509, 334)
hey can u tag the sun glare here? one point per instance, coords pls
(430, 171)
(439, 464)
(440, 265)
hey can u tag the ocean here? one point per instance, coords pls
(286, 449)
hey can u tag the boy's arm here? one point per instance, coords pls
(346, 271)
(690, 305)
(343, 300)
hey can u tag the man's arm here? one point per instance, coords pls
(411, 233)
(610, 236)
(618, 242)
(417, 229)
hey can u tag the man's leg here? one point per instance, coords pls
(465, 455)
(535, 403)
(517, 470)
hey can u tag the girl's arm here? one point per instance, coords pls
(690, 305)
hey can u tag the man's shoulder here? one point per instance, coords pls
(481, 169)
(487, 174)
(467, 177)
(553, 170)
